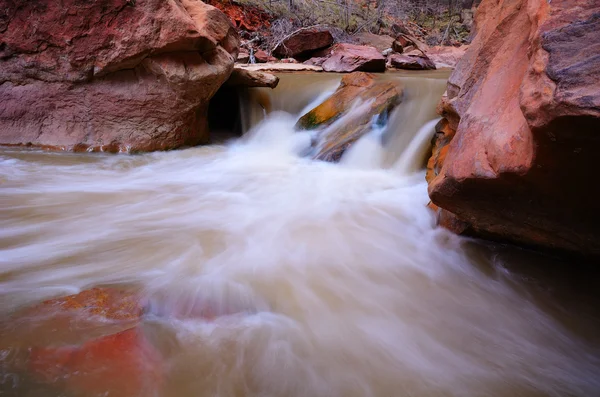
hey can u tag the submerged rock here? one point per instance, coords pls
(524, 103)
(93, 343)
(302, 43)
(346, 58)
(120, 365)
(113, 75)
(374, 99)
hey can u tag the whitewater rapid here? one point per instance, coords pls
(340, 282)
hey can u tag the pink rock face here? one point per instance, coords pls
(420, 62)
(302, 43)
(524, 102)
(111, 75)
(347, 58)
(445, 56)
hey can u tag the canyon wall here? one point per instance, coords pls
(514, 155)
(110, 75)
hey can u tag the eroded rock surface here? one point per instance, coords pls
(346, 58)
(111, 75)
(302, 43)
(524, 103)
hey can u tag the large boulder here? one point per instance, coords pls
(417, 61)
(111, 75)
(346, 58)
(380, 41)
(446, 56)
(523, 107)
(374, 99)
(303, 42)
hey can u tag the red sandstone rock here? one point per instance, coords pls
(99, 310)
(348, 58)
(524, 102)
(410, 62)
(262, 57)
(111, 74)
(404, 41)
(302, 43)
(120, 365)
(108, 303)
(380, 41)
(244, 16)
(446, 56)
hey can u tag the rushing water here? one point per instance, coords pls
(342, 283)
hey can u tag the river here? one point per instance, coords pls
(339, 280)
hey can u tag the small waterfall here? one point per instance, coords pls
(411, 157)
(385, 145)
(271, 274)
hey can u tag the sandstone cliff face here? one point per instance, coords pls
(523, 115)
(110, 75)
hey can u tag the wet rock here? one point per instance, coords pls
(252, 78)
(410, 62)
(98, 310)
(346, 58)
(107, 303)
(376, 98)
(111, 74)
(302, 43)
(524, 102)
(442, 138)
(351, 86)
(120, 365)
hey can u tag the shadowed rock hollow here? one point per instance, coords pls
(111, 75)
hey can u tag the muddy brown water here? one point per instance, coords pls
(339, 280)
